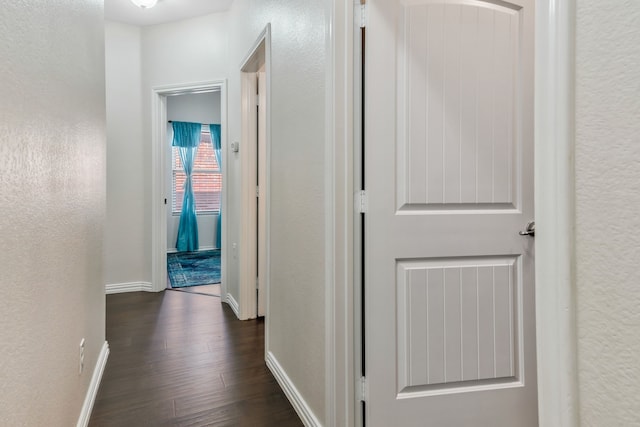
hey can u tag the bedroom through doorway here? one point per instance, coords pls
(193, 176)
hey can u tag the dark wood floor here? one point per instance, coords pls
(182, 359)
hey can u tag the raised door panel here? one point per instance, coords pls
(457, 323)
(458, 73)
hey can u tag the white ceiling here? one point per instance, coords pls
(164, 11)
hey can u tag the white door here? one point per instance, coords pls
(449, 286)
(262, 186)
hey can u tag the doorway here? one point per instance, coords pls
(254, 154)
(162, 196)
(195, 268)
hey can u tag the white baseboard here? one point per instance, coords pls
(233, 304)
(117, 288)
(299, 404)
(94, 385)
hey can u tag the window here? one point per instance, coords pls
(206, 178)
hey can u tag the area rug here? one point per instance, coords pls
(193, 268)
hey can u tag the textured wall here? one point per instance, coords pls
(607, 211)
(52, 142)
(124, 229)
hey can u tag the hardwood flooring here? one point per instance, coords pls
(183, 359)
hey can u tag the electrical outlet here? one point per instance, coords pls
(81, 357)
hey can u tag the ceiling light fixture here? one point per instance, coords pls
(144, 4)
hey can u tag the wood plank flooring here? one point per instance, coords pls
(183, 359)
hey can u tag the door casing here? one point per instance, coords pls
(159, 192)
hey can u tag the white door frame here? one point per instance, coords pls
(554, 178)
(340, 299)
(554, 200)
(258, 55)
(158, 191)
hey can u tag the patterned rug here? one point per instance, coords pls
(193, 268)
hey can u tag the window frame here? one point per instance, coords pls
(209, 171)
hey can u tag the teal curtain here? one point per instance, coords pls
(215, 140)
(186, 136)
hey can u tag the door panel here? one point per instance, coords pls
(457, 65)
(449, 158)
(456, 321)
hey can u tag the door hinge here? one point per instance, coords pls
(362, 389)
(361, 202)
(257, 99)
(257, 191)
(257, 283)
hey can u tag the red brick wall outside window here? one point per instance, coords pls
(206, 178)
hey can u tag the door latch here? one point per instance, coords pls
(530, 230)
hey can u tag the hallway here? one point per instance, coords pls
(183, 359)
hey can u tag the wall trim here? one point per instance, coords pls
(229, 299)
(554, 196)
(297, 401)
(340, 332)
(94, 385)
(118, 288)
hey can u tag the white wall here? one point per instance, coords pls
(607, 205)
(196, 108)
(139, 59)
(126, 255)
(297, 248)
(52, 140)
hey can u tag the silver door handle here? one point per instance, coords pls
(530, 230)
